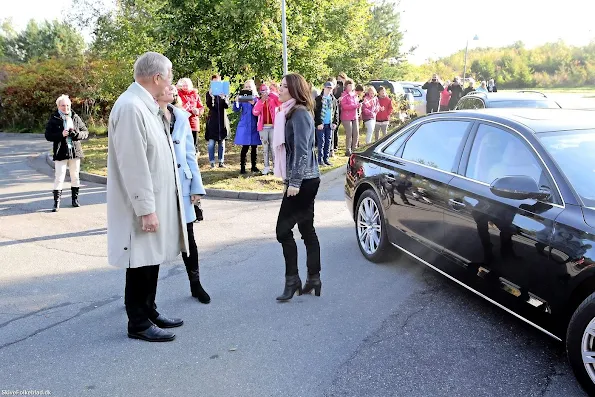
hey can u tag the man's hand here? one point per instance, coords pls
(292, 191)
(65, 133)
(382, 108)
(320, 127)
(251, 102)
(150, 223)
(194, 198)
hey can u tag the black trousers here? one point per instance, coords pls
(244, 153)
(432, 107)
(191, 259)
(139, 297)
(299, 210)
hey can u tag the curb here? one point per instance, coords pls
(228, 194)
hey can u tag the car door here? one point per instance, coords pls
(501, 245)
(418, 180)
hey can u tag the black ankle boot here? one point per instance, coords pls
(57, 195)
(313, 283)
(198, 292)
(75, 196)
(293, 284)
(253, 161)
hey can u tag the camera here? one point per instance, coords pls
(246, 96)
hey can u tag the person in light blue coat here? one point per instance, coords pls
(189, 179)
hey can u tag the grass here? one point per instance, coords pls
(229, 178)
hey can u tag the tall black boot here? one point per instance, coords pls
(313, 283)
(293, 284)
(57, 195)
(243, 154)
(75, 196)
(196, 288)
(253, 155)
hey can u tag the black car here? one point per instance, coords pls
(521, 99)
(501, 201)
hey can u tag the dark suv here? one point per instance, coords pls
(521, 99)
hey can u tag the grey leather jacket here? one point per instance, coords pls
(299, 144)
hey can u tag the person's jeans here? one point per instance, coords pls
(139, 297)
(369, 124)
(266, 137)
(299, 209)
(74, 165)
(380, 126)
(351, 135)
(221, 150)
(324, 142)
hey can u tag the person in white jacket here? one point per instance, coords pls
(190, 180)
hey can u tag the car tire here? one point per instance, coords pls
(370, 228)
(579, 339)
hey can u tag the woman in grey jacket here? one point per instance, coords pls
(293, 140)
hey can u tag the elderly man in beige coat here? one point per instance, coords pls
(146, 223)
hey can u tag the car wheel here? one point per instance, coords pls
(370, 228)
(580, 344)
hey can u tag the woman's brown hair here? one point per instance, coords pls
(299, 90)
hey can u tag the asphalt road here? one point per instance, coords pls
(396, 329)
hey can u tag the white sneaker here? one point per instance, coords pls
(266, 171)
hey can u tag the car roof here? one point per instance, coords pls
(509, 96)
(538, 120)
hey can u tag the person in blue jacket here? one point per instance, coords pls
(189, 179)
(247, 132)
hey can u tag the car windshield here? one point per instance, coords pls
(572, 150)
(525, 103)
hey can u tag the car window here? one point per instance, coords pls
(525, 103)
(395, 145)
(436, 144)
(470, 103)
(497, 153)
(416, 92)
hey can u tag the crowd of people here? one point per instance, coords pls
(444, 96)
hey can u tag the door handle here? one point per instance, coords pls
(457, 205)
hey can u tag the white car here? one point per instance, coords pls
(419, 96)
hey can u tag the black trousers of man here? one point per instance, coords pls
(139, 297)
(299, 209)
(432, 107)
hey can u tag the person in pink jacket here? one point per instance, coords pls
(265, 109)
(350, 104)
(370, 107)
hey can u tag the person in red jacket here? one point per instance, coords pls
(383, 116)
(192, 104)
(265, 110)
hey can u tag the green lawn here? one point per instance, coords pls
(217, 178)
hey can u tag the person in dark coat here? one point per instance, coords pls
(217, 125)
(456, 93)
(247, 132)
(470, 88)
(326, 120)
(337, 93)
(433, 89)
(66, 129)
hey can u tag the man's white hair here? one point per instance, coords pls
(151, 63)
(63, 98)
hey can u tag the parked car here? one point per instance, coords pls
(521, 99)
(419, 96)
(499, 201)
(397, 89)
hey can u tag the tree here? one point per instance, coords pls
(44, 41)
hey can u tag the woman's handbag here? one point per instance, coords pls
(198, 212)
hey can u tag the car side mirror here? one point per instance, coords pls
(519, 188)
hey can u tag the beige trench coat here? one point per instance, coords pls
(142, 179)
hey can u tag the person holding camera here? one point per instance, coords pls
(456, 93)
(66, 129)
(247, 131)
(217, 124)
(189, 179)
(266, 109)
(326, 119)
(192, 104)
(433, 89)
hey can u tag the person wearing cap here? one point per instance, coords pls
(265, 110)
(326, 116)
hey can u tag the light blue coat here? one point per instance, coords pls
(188, 170)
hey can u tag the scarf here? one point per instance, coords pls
(68, 125)
(279, 139)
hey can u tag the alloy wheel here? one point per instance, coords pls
(369, 227)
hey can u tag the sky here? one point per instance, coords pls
(433, 25)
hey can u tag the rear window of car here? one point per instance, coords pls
(524, 103)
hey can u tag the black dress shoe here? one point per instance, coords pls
(164, 322)
(153, 334)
